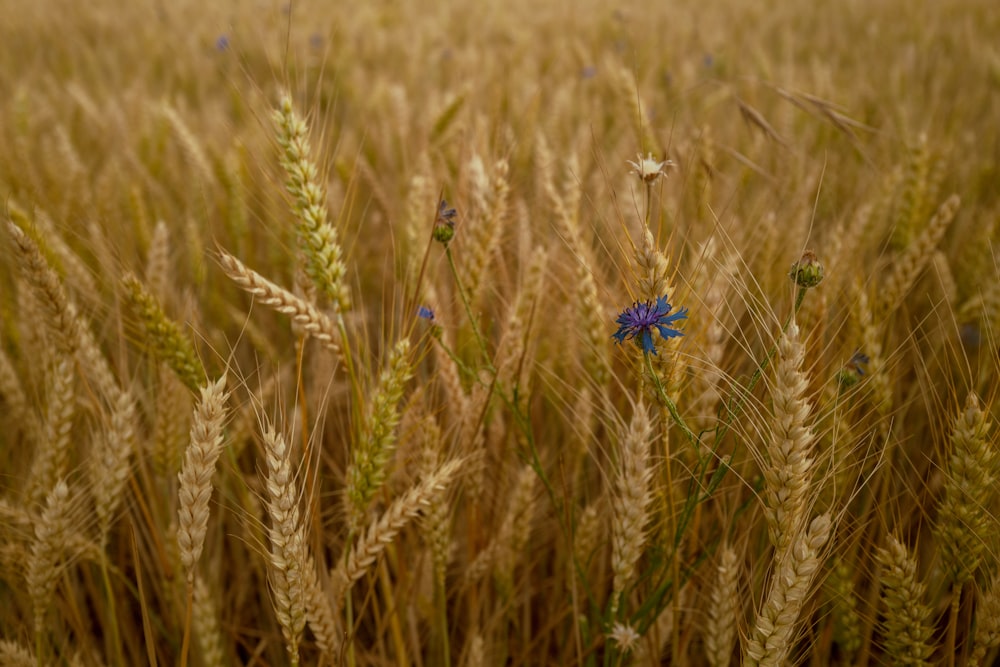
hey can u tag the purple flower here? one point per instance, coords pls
(639, 321)
(222, 43)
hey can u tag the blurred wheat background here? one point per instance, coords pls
(341, 333)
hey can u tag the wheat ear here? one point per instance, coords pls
(194, 154)
(46, 551)
(320, 613)
(589, 533)
(916, 256)
(110, 464)
(591, 309)
(907, 628)
(167, 341)
(205, 620)
(288, 554)
(475, 653)
(630, 502)
(60, 315)
(17, 401)
(489, 216)
(15, 655)
(847, 629)
(317, 237)
(516, 527)
(654, 267)
(511, 365)
(987, 634)
(171, 424)
(436, 525)
(723, 609)
(367, 548)
(788, 470)
(304, 314)
(964, 526)
(195, 478)
(52, 459)
(367, 471)
(774, 632)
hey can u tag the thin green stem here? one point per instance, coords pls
(669, 403)
(112, 613)
(468, 307)
(441, 605)
(349, 625)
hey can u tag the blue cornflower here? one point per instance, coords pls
(853, 370)
(222, 43)
(639, 321)
(858, 361)
(425, 313)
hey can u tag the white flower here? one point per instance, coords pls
(625, 636)
(647, 168)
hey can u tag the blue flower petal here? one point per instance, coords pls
(638, 322)
(667, 332)
(647, 342)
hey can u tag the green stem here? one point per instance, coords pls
(441, 602)
(671, 406)
(112, 613)
(649, 202)
(349, 624)
(468, 307)
(695, 496)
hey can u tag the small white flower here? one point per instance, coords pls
(625, 636)
(647, 168)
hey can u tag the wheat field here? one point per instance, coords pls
(474, 333)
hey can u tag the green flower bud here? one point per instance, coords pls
(807, 272)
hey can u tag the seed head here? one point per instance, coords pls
(625, 636)
(649, 169)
